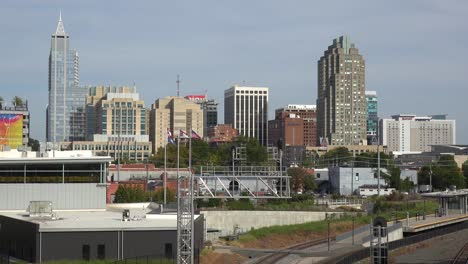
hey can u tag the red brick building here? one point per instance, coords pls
(222, 133)
(287, 124)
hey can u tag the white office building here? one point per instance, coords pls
(410, 133)
(246, 108)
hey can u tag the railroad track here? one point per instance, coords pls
(462, 256)
(275, 257)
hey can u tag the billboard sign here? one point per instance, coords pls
(11, 130)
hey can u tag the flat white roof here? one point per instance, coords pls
(75, 221)
(74, 156)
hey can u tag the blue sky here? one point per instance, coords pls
(416, 52)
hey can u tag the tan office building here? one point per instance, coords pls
(173, 113)
(341, 99)
(408, 133)
(115, 111)
(116, 124)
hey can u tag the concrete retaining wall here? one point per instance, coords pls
(226, 221)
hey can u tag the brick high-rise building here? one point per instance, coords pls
(341, 100)
(308, 114)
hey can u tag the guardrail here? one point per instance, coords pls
(365, 253)
(329, 202)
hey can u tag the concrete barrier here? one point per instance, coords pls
(230, 222)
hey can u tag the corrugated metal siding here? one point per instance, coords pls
(62, 196)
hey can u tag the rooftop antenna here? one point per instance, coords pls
(206, 93)
(178, 85)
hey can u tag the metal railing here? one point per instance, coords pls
(364, 253)
(150, 259)
(344, 201)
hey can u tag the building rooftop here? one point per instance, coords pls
(76, 156)
(72, 221)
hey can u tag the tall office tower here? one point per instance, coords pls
(108, 106)
(117, 124)
(406, 133)
(308, 113)
(173, 113)
(372, 117)
(341, 102)
(246, 108)
(65, 111)
(210, 110)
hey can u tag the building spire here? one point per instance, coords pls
(60, 29)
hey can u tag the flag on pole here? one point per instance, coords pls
(170, 137)
(195, 135)
(182, 134)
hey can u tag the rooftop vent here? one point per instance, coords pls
(40, 209)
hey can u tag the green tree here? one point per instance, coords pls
(465, 172)
(256, 153)
(338, 156)
(445, 172)
(1, 100)
(158, 196)
(34, 144)
(406, 185)
(130, 194)
(301, 179)
(17, 101)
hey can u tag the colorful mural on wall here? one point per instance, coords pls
(11, 130)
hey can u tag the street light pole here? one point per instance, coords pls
(378, 159)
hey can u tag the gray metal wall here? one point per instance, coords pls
(18, 238)
(62, 196)
(22, 240)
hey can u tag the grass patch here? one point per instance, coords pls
(388, 210)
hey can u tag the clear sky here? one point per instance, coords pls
(416, 52)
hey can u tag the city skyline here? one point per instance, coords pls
(406, 57)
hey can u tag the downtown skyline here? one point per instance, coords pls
(404, 59)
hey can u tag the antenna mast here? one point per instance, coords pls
(178, 85)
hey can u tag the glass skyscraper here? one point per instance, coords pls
(66, 109)
(372, 117)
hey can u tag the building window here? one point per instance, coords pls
(85, 252)
(168, 251)
(101, 251)
(318, 175)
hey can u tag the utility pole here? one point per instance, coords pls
(430, 176)
(118, 158)
(378, 159)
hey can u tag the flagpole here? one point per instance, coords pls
(179, 206)
(191, 191)
(165, 172)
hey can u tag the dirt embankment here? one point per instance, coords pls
(225, 258)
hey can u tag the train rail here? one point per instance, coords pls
(275, 257)
(462, 256)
